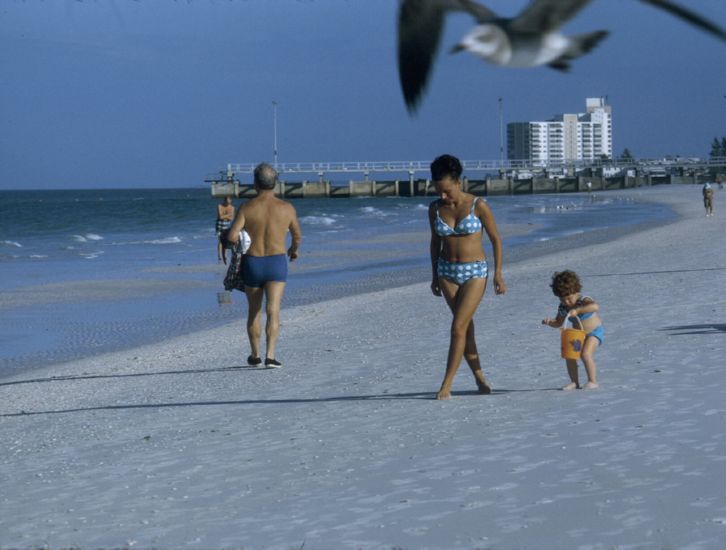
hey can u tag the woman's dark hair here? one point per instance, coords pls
(446, 165)
(565, 283)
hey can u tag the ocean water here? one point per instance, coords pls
(88, 271)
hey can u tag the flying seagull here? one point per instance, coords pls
(530, 39)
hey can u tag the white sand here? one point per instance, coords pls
(177, 445)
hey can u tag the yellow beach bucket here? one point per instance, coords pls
(571, 341)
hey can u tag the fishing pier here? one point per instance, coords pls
(412, 178)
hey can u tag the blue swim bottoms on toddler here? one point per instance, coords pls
(598, 333)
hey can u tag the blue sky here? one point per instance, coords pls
(160, 93)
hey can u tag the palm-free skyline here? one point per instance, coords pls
(129, 93)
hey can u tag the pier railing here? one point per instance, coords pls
(494, 166)
(409, 178)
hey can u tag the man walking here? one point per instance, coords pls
(267, 219)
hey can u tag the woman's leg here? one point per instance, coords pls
(471, 353)
(463, 301)
(471, 356)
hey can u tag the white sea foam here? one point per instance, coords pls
(317, 220)
(165, 240)
(87, 237)
(39, 256)
(373, 211)
(11, 243)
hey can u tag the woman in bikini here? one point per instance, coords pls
(459, 265)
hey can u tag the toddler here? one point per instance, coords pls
(566, 286)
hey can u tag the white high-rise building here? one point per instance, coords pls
(568, 137)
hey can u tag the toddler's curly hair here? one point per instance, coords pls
(565, 283)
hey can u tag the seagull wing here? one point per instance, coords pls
(542, 16)
(690, 16)
(420, 23)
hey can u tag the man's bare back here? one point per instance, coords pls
(268, 219)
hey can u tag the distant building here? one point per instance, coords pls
(568, 137)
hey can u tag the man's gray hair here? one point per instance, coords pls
(265, 176)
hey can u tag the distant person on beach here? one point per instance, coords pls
(459, 267)
(225, 215)
(708, 198)
(566, 286)
(268, 220)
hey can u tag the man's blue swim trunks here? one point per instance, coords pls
(259, 270)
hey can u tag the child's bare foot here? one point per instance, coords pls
(571, 386)
(591, 386)
(443, 395)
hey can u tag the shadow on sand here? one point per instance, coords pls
(134, 375)
(429, 395)
(688, 330)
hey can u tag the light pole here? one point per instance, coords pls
(274, 132)
(501, 132)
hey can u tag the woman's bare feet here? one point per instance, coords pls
(483, 386)
(481, 382)
(591, 386)
(443, 395)
(571, 386)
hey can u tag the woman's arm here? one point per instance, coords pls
(434, 250)
(490, 226)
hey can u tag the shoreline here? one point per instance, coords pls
(178, 444)
(201, 315)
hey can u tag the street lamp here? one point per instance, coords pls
(501, 132)
(274, 132)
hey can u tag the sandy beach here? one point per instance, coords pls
(180, 445)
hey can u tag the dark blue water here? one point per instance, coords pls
(97, 270)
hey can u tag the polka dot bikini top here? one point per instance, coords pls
(468, 225)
